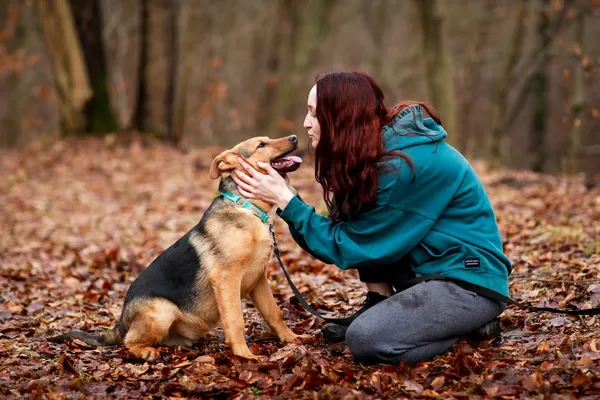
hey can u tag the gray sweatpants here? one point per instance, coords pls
(418, 323)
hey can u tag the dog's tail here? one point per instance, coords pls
(113, 337)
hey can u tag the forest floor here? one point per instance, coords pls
(80, 220)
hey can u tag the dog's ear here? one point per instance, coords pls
(225, 161)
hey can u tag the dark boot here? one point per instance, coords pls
(489, 331)
(337, 333)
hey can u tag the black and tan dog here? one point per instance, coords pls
(200, 279)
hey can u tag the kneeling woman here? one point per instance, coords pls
(401, 202)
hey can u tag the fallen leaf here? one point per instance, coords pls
(412, 386)
(204, 359)
(581, 381)
(438, 382)
(559, 321)
(533, 382)
(543, 347)
(585, 362)
(67, 364)
(430, 393)
(593, 346)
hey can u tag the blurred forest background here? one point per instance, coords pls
(517, 82)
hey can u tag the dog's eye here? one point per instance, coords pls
(261, 144)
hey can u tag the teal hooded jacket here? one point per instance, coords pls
(440, 218)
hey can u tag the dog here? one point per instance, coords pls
(199, 281)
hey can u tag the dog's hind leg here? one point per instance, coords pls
(175, 339)
(263, 299)
(150, 325)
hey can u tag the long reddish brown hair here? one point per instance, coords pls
(351, 113)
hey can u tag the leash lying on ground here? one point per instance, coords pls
(299, 297)
(480, 290)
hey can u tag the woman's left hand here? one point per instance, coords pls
(270, 188)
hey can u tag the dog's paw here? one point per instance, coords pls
(301, 339)
(145, 352)
(249, 356)
(293, 338)
(258, 358)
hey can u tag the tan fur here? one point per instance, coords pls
(234, 259)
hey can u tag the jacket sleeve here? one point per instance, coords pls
(380, 236)
(299, 239)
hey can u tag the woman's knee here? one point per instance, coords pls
(363, 342)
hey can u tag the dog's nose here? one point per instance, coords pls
(293, 139)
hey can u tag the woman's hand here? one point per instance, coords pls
(270, 188)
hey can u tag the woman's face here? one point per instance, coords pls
(310, 122)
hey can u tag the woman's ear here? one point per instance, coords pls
(225, 161)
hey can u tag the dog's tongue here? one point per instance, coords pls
(295, 159)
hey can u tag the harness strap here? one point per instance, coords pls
(480, 290)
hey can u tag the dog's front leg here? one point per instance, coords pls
(227, 287)
(263, 299)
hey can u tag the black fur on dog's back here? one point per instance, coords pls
(173, 275)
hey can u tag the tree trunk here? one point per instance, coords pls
(67, 61)
(121, 36)
(377, 17)
(274, 69)
(28, 108)
(438, 74)
(155, 113)
(502, 86)
(191, 25)
(540, 90)
(98, 113)
(577, 99)
(471, 79)
(308, 27)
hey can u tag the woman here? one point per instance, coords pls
(401, 202)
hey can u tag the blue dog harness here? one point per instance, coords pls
(242, 202)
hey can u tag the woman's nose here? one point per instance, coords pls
(307, 124)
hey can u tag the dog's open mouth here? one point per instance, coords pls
(286, 164)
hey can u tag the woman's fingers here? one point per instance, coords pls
(249, 168)
(241, 184)
(244, 178)
(267, 167)
(245, 194)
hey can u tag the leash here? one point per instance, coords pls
(480, 290)
(299, 297)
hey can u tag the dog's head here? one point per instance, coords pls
(273, 151)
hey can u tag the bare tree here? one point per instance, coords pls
(98, 113)
(274, 63)
(67, 61)
(503, 85)
(28, 107)
(578, 96)
(438, 75)
(539, 89)
(308, 20)
(158, 57)
(121, 36)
